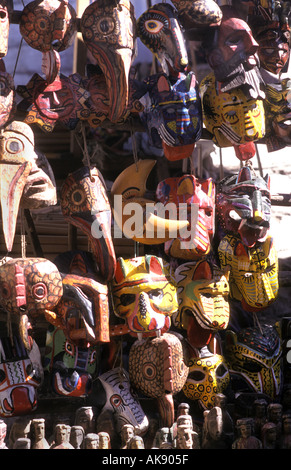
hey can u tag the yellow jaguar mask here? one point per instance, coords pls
(253, 271)
(231, 117)
(144, 294)
(207, 377)
(254, 360)
(203, 291)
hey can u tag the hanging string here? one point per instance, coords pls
(257, 323)
(17, 58)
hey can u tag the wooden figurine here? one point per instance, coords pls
(22, 443)
(62, 437)
(91, 441)
(218, 429)
(274, 413)
(158, 368)
(159, 29)
(269, 435)
(246, 440)
(3, 431)
(38, 434)
(136, 442)
(260, 416)
(77, 436)
(109, 34)
(104, 440)
(285, 441)
(162, 435)
(186, 437)
(126, 433)
(20, 428)
(85, 417)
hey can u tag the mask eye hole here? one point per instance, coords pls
(116, 401)
(252, 367)
(221, 370)
(39, 291)
(197, 376)
(127, 299)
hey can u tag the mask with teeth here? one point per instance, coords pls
(203, 292)
(243, 206)
(144, 294)
(278, 111)
(253, 278)
(172, 114)
(207, 377)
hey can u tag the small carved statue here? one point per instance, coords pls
(62, 437)
(127, 432)
(246, 439)
(104, 440)
(269, 436)
(20, 429)
(91, 441)
(38, 431)
(22, 443)
(77, 436)
(136, 442)
(85, 417)
(285, 442)
(3, 430)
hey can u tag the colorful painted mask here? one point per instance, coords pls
(7, 97)
(144, 294)
(109, 34)
(19, 379)
(70, 367)
(119, 401)
(207, 377)
(198, 13)
(48, 24)
(173, 114)
(157, 368)
(46, 104)
(17, 158)
(278, 113)
(203, 292)
(254, 358)
(193, 199)
(6, 9)
(231, 117)
(147, 225)
(159, 29)
(253, 271)
(85, 204)
(231, 51)
(243, 206)
(31, 286)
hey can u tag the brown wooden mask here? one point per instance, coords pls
(108, 31)
(48, 24)
(7, 98)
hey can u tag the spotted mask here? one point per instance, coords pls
(207, 377)
(254, 358)
(144, 294)
(253, 271)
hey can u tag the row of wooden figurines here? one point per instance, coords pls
(268, 428)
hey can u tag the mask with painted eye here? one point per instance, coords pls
(6, 10)
(172, 114)
(231, 117)
(253, 276)
(48, 24)
(144, 294)
(159, 29)
(7, 98)
(254, 358)
(207, 377)
(243, 206)
(278, 113)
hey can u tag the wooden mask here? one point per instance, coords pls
(85, 204)
(278, 114)
(198, 13)
(7, 98)
(203, 292)
(158, 368)
(108, 31)
(70, 367)
(48, 24)
(194, 199)
(6, 9)
(19, 379)
(17, 158)
(172, 114)
(159, 29)
(144, 294)
(253, 276)
(243, 206)
(232, 117)
(254, 358)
